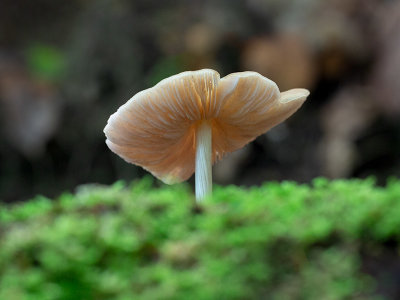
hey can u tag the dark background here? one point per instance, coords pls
(66, 66)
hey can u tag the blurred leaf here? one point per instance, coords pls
(45, 61)
(165, 67)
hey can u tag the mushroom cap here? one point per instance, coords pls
(156, 128)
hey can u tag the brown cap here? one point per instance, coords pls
(156, 128)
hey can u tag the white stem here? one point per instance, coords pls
(203, 175)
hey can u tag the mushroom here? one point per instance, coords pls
(188, 121)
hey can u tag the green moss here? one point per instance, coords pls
(278, 241)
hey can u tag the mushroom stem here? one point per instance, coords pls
(203, 174)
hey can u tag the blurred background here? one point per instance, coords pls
(66, 66)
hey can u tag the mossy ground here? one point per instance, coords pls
(277, 241)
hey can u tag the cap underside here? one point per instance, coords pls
(156, 128)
